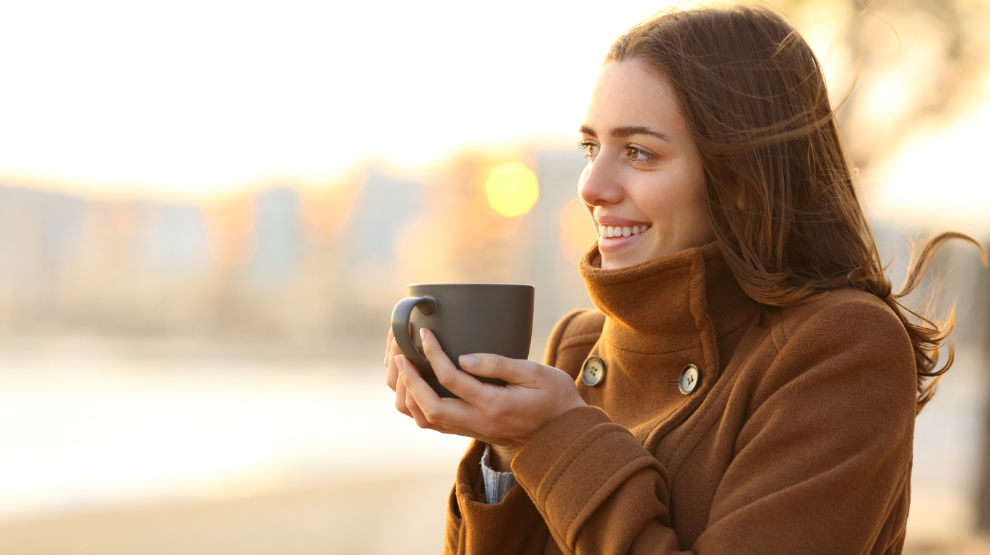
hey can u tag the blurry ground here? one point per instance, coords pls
(112, 448)
(109, 448)
(402, 517)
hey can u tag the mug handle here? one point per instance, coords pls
(400, 328)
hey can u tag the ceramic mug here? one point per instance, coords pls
(465, 318)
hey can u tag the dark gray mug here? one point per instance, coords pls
(465, 318)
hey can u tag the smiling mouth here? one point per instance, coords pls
(609, 232)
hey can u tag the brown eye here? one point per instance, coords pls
(638, 154)
(590, 149)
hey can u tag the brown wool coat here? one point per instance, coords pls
(797, 440)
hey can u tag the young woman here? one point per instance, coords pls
(749, 382)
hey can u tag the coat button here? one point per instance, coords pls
(690, 377)
(592, 371)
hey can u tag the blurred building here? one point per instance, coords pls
(282, 267)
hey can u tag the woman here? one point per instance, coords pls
(749, 383)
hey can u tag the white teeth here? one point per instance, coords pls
(620, 231)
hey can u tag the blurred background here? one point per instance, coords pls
(208, 210)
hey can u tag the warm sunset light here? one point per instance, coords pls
(230, 217)
(939, 178)
(233, 251)
(104, 98)
(232, 239)
(210, 208)
(512, 189)
(325, 210)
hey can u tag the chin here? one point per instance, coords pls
(613, 262)
(616, 260)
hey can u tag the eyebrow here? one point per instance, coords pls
(628, 131)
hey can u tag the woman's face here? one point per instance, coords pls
(644, 184)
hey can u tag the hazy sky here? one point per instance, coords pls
(208, 95)
(187, 99)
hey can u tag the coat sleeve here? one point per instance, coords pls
(819, 466)
(513, 525)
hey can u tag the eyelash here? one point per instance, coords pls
(591, 150)
(587, 148)
(646, 155)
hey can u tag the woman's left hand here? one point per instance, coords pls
(533, 395)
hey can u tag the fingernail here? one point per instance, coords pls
(422, 333)
(468, 361)
(398, 362)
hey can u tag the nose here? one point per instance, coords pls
(598, 184)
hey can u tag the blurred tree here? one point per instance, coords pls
(901, 65)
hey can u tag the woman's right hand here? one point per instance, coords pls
(503, 450)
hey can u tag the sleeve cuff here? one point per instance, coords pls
(497, 484)
(509, 526)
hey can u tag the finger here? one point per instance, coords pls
(510, 370)
(411, 408)
(457, 382)
(445, 412)
(400, 389)
(424, 423)
(406, 404)
(388, 344)
(391, 370)
(416, 412)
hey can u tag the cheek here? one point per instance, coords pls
(700, 226)
(664, 198)
(690, 185)
(677, 201)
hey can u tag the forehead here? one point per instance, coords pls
(629, 93)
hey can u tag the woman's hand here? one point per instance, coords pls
(503, 450)
(504, 416)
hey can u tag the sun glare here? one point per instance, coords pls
(286, 102)
(512, 189)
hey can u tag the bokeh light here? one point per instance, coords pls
(512, 189)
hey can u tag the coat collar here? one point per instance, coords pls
(667, 303)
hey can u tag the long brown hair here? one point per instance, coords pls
(780, 192)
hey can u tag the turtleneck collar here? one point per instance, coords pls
(667, 303)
